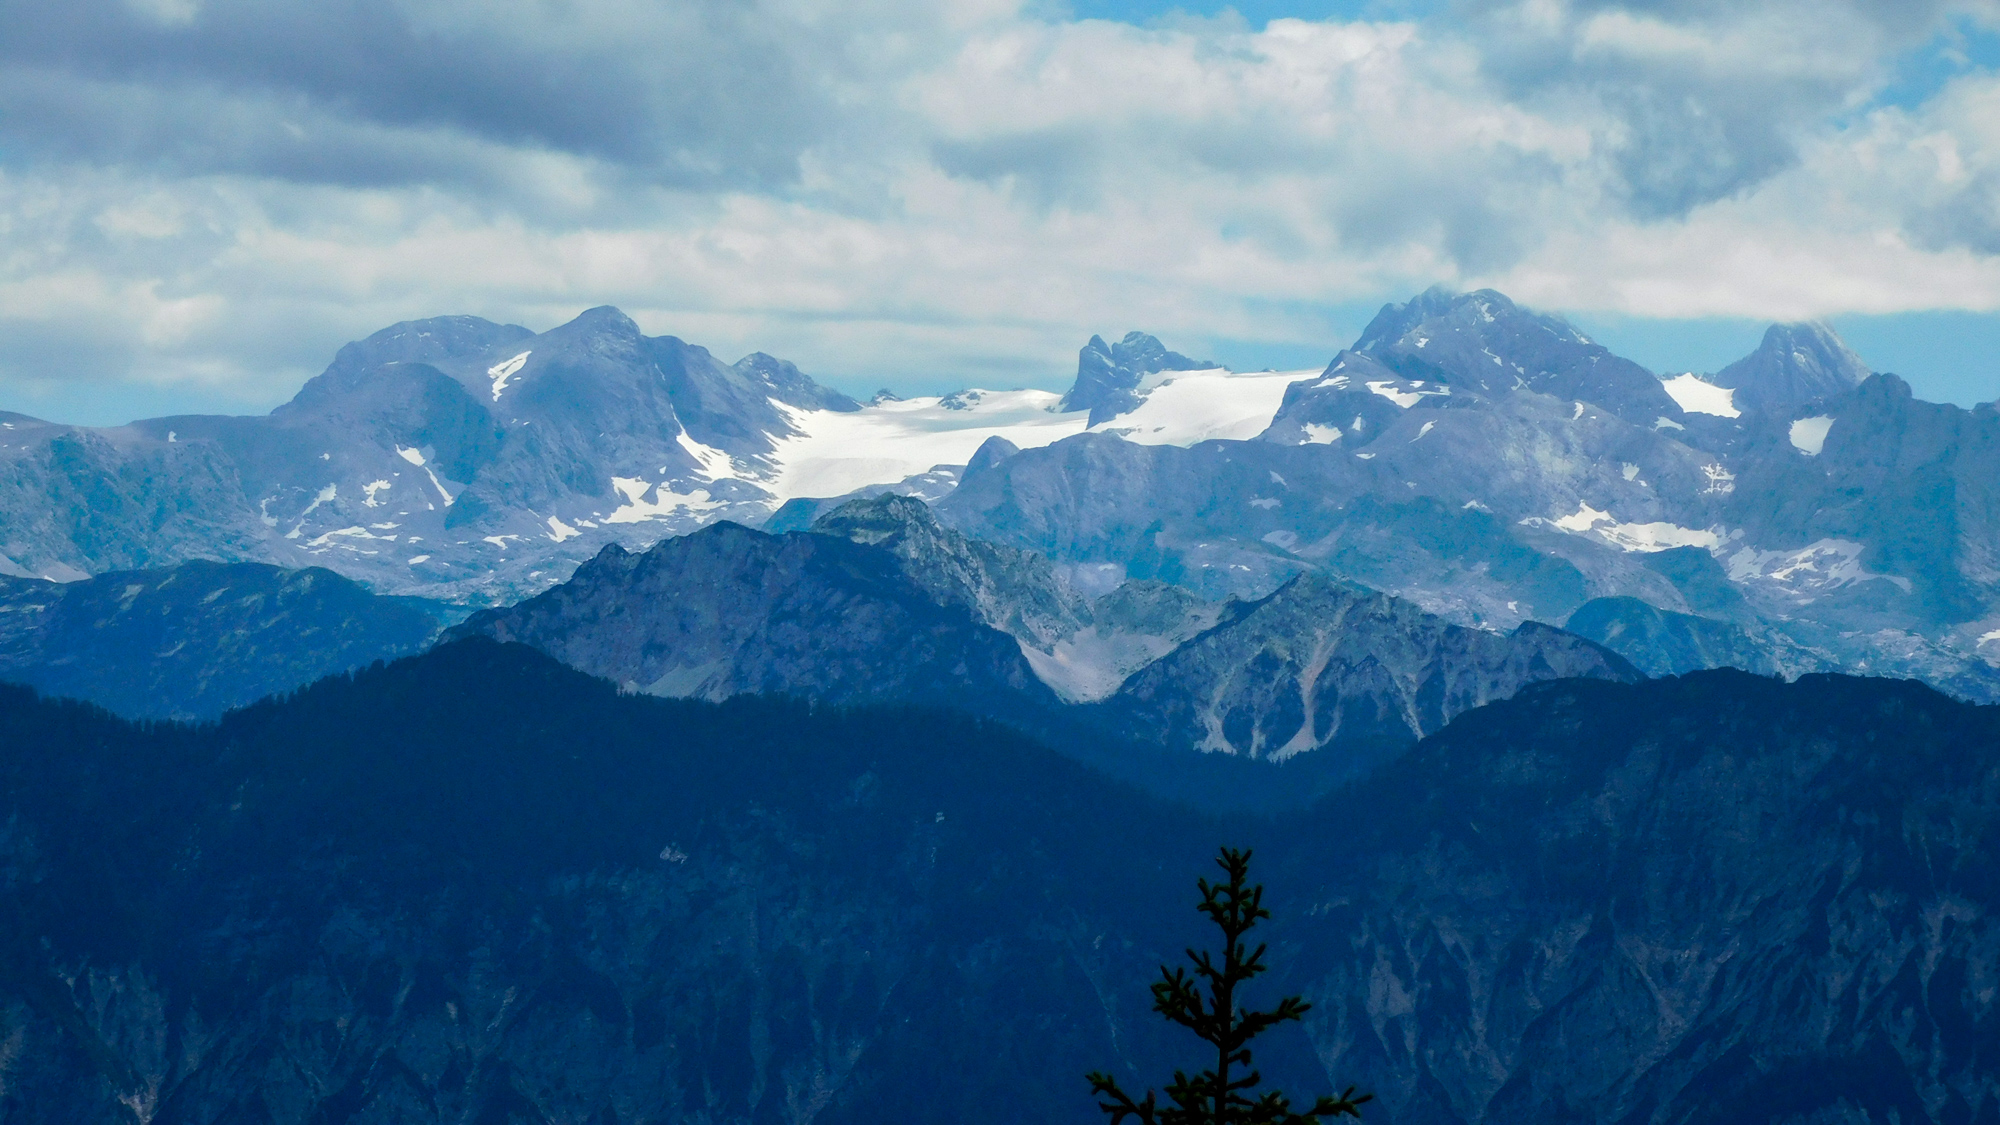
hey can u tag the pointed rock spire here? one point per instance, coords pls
(1797, 364)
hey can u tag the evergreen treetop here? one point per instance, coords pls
(1221, 1096)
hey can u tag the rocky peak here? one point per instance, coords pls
(991, 452)
(1012, 590)
(433, 340)
(1108, 375)
(782, 380)
(1796, 365)
(439, 340)
(1482, 342)
(602, 322)
(1395, 321)
(1321, 664)
(890, 518)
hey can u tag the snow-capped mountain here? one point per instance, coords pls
(462, 459)
(1845, 524)
(1489, 463)
(1110, 377)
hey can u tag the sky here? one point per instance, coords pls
(200, 200)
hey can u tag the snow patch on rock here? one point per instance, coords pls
(1808, 572)
(715, 464)
(664, 504)
(1644, 538)
(1809, 434)
(506, 370)
(1698, 396)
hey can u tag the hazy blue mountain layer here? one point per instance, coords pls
(1661, 643)
(478, 886)
(194, 640)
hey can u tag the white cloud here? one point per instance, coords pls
(971, 191)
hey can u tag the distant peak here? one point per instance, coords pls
(1395, 321)
(877, 519)
(1796, 364)
(783, 380)
(603, 318)
(991, 452)
(1108, 375)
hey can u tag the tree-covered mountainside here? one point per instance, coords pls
(476, 885)
(194, 640)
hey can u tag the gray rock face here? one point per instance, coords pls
(195, 640)
(1797, 365)
(881, 603)
(1321, 665)
(1348, 403)
(1456, 508)
(729, 611)
(1014, 591)
(1108, 375)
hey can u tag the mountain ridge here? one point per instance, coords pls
(879, 598)
(1699, 900)
(1487, 461)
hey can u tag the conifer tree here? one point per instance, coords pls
(1220, 1096)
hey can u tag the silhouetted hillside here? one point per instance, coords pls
(478, 886)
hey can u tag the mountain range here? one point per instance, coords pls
(478, 886)
(1490, 465)
(880, 603)
(574, 727)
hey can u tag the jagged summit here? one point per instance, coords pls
(1108, 375)
(1484, 343)
(1796, 365)
(1395, 321)
(1488, 462)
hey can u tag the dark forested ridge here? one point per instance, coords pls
(194, 640)
(478, 886)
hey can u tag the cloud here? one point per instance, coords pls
(219, 192)
(723, 93)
